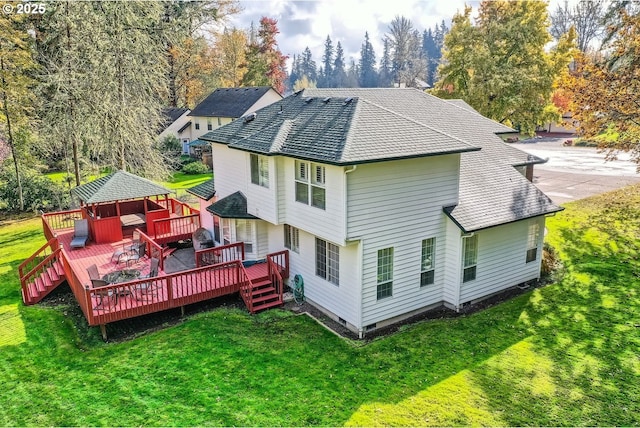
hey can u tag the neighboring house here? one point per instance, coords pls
(224, 105)
(391, 201)
(177, 123)
(205, 192)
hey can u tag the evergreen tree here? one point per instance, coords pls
(385, 78)
(367, 77)
(308, 65)
(326, 76)
(265, 62)
(351, 80)
(339, 73)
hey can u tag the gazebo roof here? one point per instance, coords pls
(117, 186)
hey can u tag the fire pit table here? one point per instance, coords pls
(123, 275)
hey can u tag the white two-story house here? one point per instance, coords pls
(391, 201)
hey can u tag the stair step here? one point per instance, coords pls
(263, 290)
(53, 274)
(265, 298)
(32, 291)
(46, 279)
(59, 268)
(260, 283)
(268, 305)
(40, 286)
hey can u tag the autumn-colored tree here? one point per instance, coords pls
(266, 64)
(500, 65)
(605, 91)
(230, 57)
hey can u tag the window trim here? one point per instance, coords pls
(292, 238)
(469, 266)
(533, 238)
(197, 125)
(384, 273)
(259, 170)
(431, 269)
(209, 125)
(314, 184)
(327, 261)
(250, 230)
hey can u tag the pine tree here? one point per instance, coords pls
(385, 78)
(326, 76)
(339, 73)
(367, 77)
(308, 65)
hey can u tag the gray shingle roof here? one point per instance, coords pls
(229, 102)
(171, 114)
(118, 186)
(338, 130)
(204, 190)
(385, 124)
(232, 206)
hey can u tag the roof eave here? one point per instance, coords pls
(478, 229)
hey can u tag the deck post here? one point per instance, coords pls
(182, 311)
(103, 330)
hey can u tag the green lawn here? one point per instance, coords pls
(566, 354)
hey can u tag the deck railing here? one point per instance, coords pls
(153, 248)
(246, 288)
(115, 302)
(77, 287)
(221, 254)
(281, 259)
(275, 276)
(39, 269)
(42, 253)
(62, 219)
(176, 226)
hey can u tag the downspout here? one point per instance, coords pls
(345, 205)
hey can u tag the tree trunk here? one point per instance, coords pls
(5, 108)
(74, 141)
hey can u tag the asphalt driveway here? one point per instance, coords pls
(573, 173)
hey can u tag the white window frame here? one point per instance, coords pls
(469, 258)
(384, 277)
(328, 261)
(259, 169)
(427, 262)
(197, 125)
(209, 124)
(226, 231)
(533, 237)
(246, 233)
(310, 181)
(292, 238)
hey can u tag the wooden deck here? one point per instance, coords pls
(115, 302)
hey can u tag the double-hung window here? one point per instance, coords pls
(245, 233)
(328, 261)
(427, 267)
(209, 125)
(292, 238)
(259, 170)
(310, 184)
(532, 242)
(469, 257)
(385, 273)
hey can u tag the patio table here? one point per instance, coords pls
(132, 220)
(124, 275)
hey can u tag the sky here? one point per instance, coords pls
(307, 23)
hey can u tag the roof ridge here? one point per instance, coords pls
(417, 122)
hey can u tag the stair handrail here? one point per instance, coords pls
(51, 244)
(246, 286)
(36, 271)
(275, 277)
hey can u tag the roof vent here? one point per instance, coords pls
(326, 100)
(308, 100)
(348, 100)
(280, 112)
(248, 118)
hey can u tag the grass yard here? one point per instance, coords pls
(178, 181)
(566, 354)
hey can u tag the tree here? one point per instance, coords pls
(500, 65)
(303, 83)
(400, 31)
(604, 91)
(230, 57)
(352, 74)
(339, 73)
(308, 65)
(385, 78)
(265, 62)
(367, 76)
(587, 17)
(326, 77)
(16, 96)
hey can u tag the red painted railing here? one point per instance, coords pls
(281, 259)
(275, 277)
(175, 227)
(153, 248)
(62, 219)
(224, 253)
(33, 274)
(148, 295)
(246, 288)
(41, 254)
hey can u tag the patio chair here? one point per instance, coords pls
(148, 290)
(135, 255)
(127, 248)
(96, 282)
(80, 233)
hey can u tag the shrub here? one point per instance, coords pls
(39, 192)
(195, 168)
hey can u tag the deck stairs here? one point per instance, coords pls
(42, 280)
(263, 295)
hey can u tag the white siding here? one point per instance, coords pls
(270, 97)
(173, 128)
(453, 257)
(262, 236)
(343, 299)
(502, 260)
(202, 120)
(398, 204)
(206, 218)
(327, 224)
(262, 201)
(230, 170)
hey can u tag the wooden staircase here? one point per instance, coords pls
(267, 291)
(264, 295)
(41, 273)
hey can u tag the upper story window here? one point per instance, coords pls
(209, 125)
(310, 182)
(469, 257)
(532, 242)
(259, 170)
(197, 126)
(427, 266)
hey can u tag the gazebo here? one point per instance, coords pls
(117, 204)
